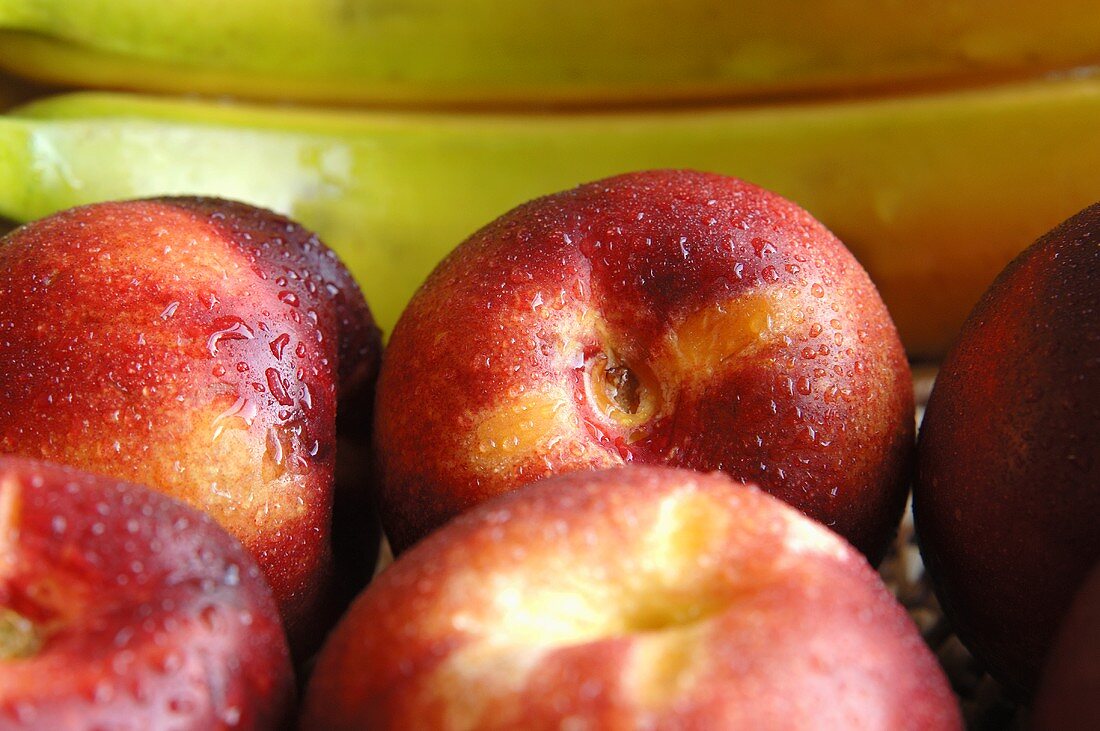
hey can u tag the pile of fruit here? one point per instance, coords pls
(637, 446)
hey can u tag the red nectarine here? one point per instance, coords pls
(631, 598)
(197, 346)
(668, 317)
(122, 608)
(1008, 493)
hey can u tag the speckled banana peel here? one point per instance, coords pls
(933, 193)
(503, 52)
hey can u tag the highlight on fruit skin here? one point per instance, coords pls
(123, 608)
(201, 347)
(662, 317)
(635, 597)
(539, 52)
(1006, 499)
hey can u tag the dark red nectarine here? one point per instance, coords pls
(1008, 493)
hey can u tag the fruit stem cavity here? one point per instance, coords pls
(19, 637)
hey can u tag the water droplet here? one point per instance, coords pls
(169, 310)
(278, 345)
(278, 387)
(242, 408)
(769, 274)
(228, 328)
(762, 247)
(232, 575)
(817, 290)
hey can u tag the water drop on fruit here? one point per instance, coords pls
(169, 310)
(228, 328)
(762, 247)
(278, 345)
(278, 387)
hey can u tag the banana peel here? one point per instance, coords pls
(538, 52)
(933, 193)
(13, 91)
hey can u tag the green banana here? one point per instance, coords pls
(934, 193)
(435, 52)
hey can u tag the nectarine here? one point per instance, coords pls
(197, 346)
(122, 608)
(1008, 492)
(670, 317)
(636, 597)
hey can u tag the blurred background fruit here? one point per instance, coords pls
(539, 52)
(933, 193)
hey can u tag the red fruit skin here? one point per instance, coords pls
(151, 615)
(1006, 499)
(198, 346)
(488, 622)
(818, 411)
(1068, 696)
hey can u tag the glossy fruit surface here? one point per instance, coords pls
(197, 346)
(122, 608)
(637, 597)
(666, 317)
(1007, 499)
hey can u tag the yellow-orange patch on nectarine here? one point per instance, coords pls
(704, 341)
(530, 426)
(664, 665)
(10, 494)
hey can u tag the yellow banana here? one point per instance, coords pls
(515, 52)
(933, 193)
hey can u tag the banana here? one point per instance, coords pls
(12, 92)
(548, 52)
(933, 193)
